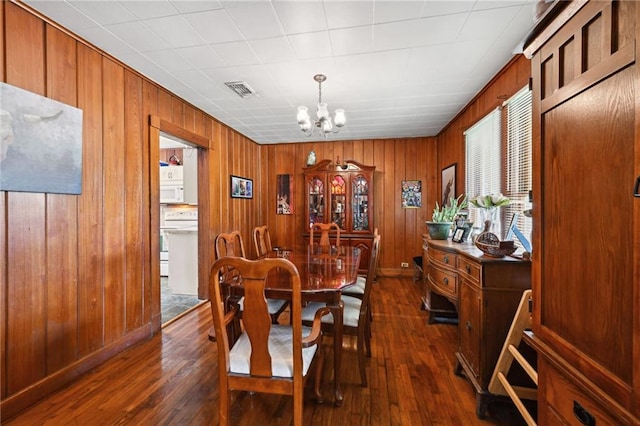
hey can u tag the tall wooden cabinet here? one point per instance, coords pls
(586, 219)
(343, 194)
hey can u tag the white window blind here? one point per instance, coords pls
(518, 110)
(483, 153)
(498, 160)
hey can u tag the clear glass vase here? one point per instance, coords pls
(489, 220)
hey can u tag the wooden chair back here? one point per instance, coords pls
(249, 364)
(371, 275)
(262, 240)
(326, 231)
(229, 244)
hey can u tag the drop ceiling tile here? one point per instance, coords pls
(64, 12)
(192, 6)
(311, 45)
(477, 26)
(300, 16)
(104, 12)
(348, 41)
(140, 37)
(447, 7)
(392, 11)
(169, 60)
(236, 53)
(215, 26)
(256, 22)
(176, 31)
(348, 14)
(149, 8)
(108, 42)
(419, 32)
(272, 50)
(202, 57)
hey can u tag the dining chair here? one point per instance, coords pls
(231, 244)
(265, 357)
(357, 290)
(262, 240)
(355, 315)
(326, 231)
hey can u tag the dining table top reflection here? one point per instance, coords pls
(324, 272)
(321, 268)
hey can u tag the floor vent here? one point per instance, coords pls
(241, 88)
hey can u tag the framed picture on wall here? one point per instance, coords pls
(448, 184)
(284, 201)
(411, 194)
(241, 187)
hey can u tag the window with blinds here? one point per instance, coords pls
(518, 160)
(498, 159)
(482, 158)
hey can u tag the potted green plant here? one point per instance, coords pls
(443, 217)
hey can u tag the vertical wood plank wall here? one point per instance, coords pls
(395, 160)
(76, 285)
(75, 275)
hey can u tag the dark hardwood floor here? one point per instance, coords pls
(172, 379)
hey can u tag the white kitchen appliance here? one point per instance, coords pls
(171, 184)
(179, 249)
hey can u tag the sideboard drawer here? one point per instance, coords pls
(445, 282)
(447, 259)
(469, 268)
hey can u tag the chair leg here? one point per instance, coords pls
(224, 406)
(361, 359)
(317, 380)
(367, 338)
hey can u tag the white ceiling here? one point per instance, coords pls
(398, 68)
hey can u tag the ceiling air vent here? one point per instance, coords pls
(241, 88)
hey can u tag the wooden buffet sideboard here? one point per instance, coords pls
(485, 292)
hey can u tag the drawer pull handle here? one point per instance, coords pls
(468, 325)
(468, 268)
(445, 259)
(636, 189)
(445, 280)
(583, 415)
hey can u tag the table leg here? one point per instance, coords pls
(337, 308)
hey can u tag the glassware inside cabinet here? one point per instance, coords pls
(360, 200)
(316, 200)
(338, 199)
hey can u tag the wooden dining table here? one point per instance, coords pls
(324, 273)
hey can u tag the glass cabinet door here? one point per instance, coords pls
(360, 203)
(316, 200)
(338, 201)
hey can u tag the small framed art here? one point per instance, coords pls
(241, 187)
(448, 183)
(461, 233)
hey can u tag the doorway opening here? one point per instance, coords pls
(178, 169)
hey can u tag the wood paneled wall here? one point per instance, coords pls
(395, 160)
(77, 273)
(77, 283)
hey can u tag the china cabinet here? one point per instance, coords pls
(343, 194)
(586, 219)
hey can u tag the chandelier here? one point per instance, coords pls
(323, 121)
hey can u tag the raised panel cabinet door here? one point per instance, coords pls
(470, 326)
